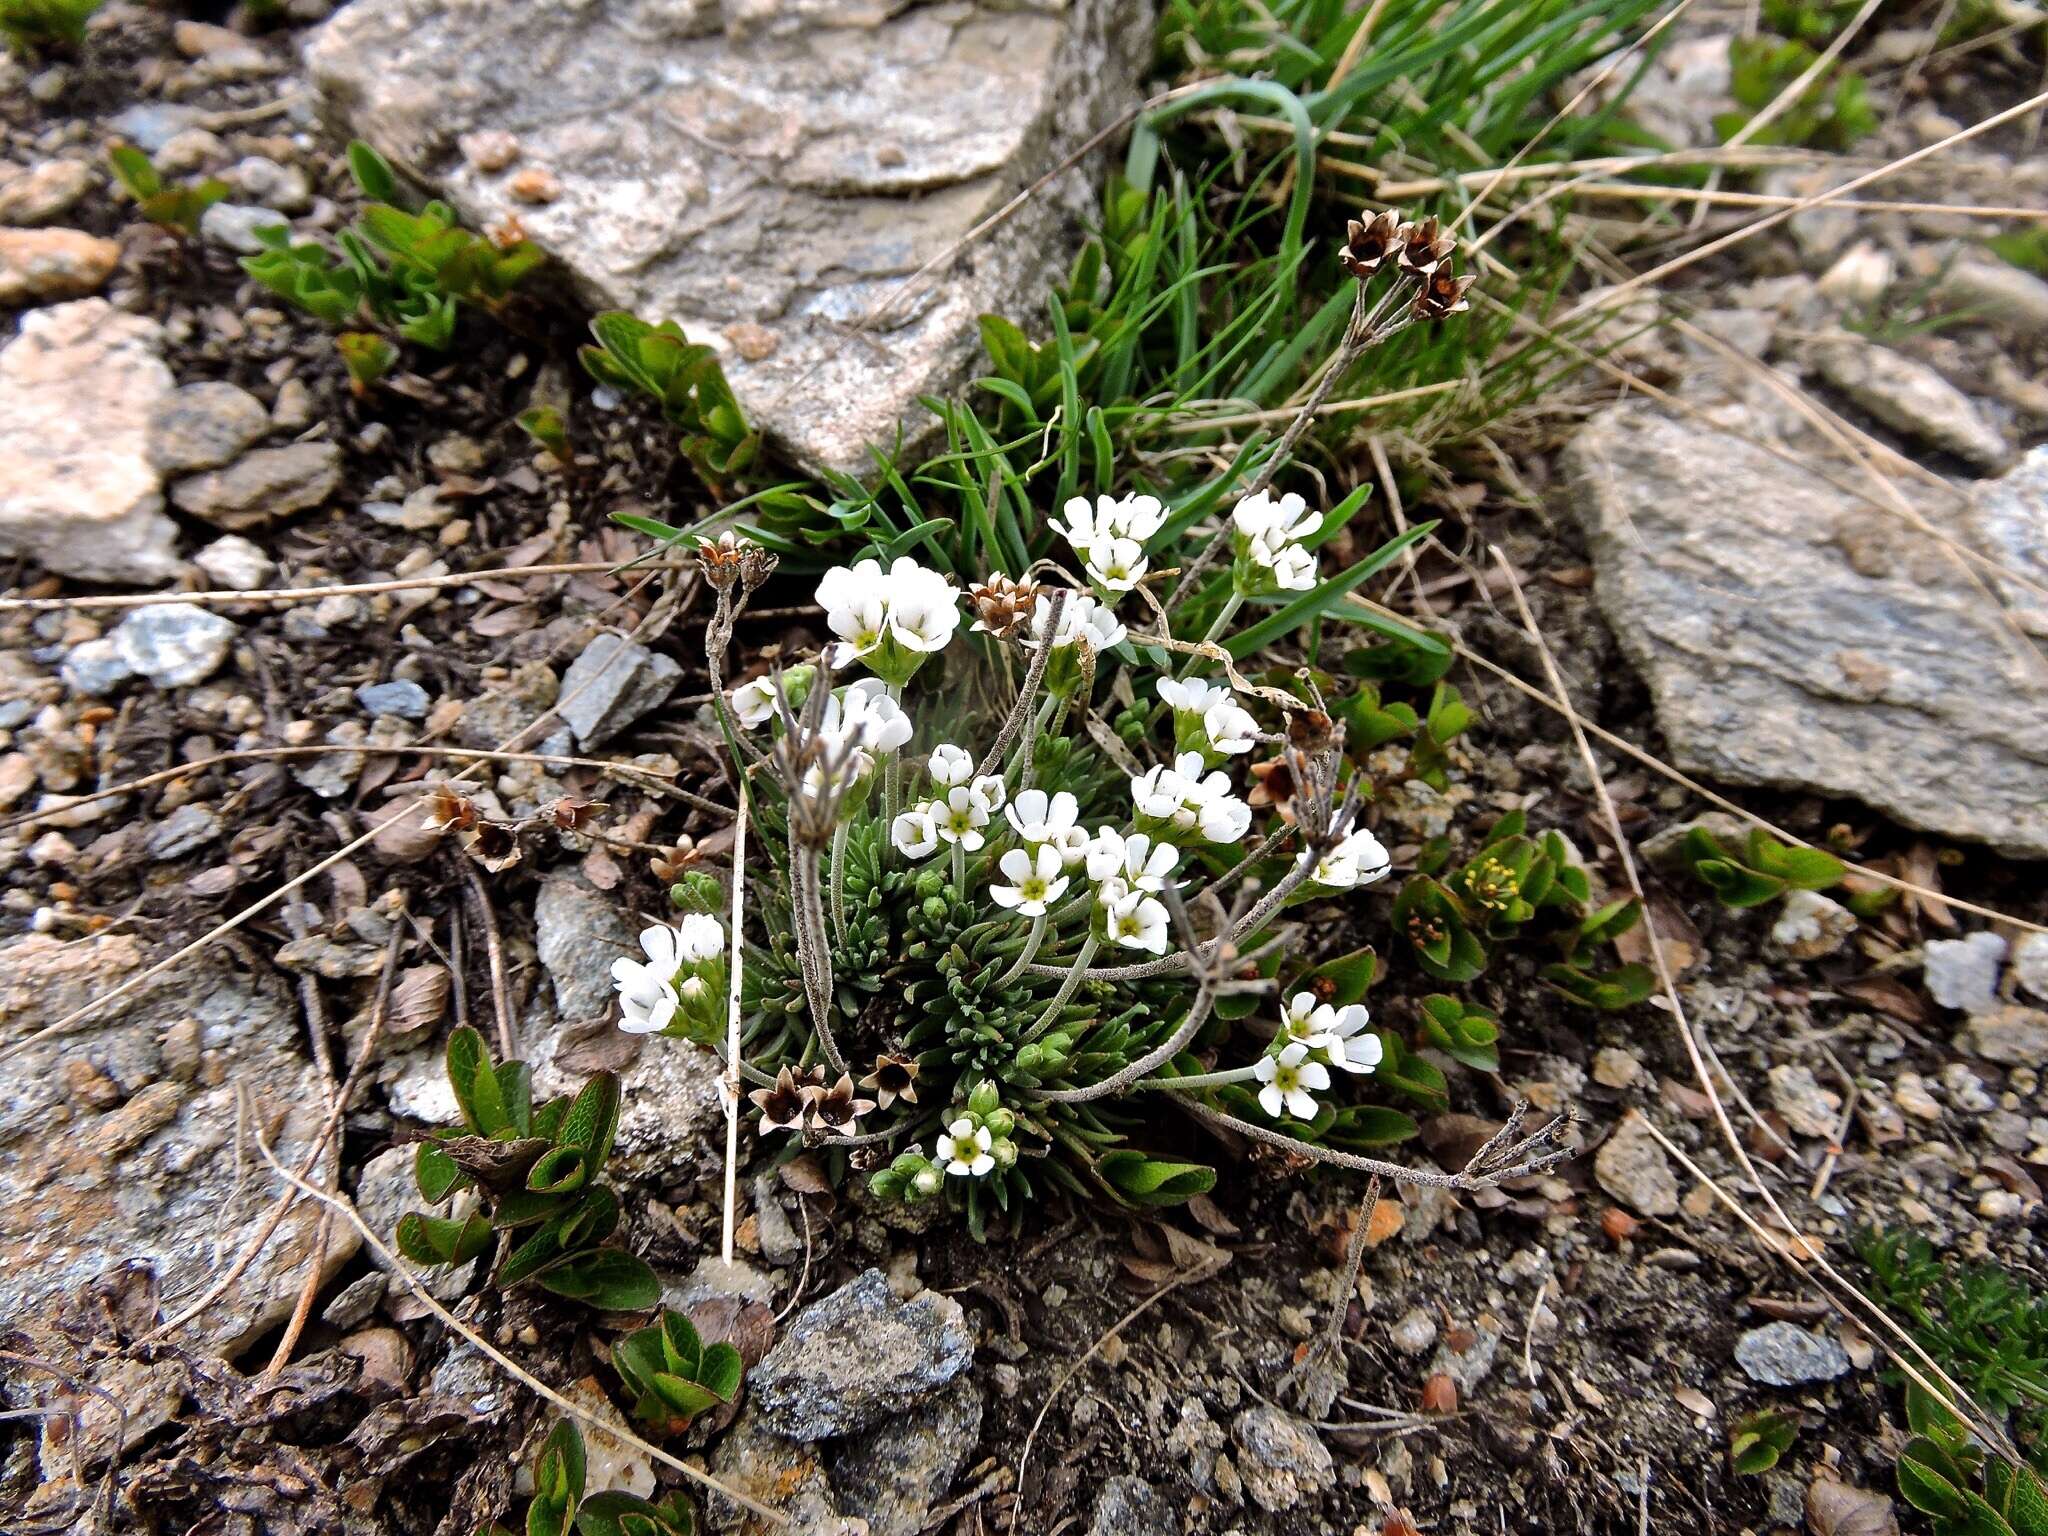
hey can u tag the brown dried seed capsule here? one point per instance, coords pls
(1442, 293)
(1370, 244)
(1423, 248)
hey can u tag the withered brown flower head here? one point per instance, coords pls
(720, 559)
(756, 565)
(446, 809)
(786, 1106)
(1273, 785)
(1371, 244)
(1000, 604)
(835, 1111)
(1443, 293)
(894, 1077)
(493, 845)
(1423, 249)
(569, 814)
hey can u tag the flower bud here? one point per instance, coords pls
(926, 1182)
(1004, 1151)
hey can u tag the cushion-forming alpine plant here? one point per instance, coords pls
(1036, 865)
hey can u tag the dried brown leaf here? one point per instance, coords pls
(1836, 1509)
(419, 999)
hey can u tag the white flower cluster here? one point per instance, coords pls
(859, 719)
(956, 815)
(1267, 536)
(1208, 719)
(890, 620)
(1184, 799)
(679, 987)
(1358, 860)
(1110, 536)
(1313, 1038)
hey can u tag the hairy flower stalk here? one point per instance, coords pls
(1041, 657)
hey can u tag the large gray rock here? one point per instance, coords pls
(121, 1140)
(1793, 635)
(78, 493)
(858, 1357)
(766, 174)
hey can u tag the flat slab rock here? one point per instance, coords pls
(1793, 635)
(765, 173)
(119, 1141)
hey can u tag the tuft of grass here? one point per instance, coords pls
(30, 25)
(1988, 1328)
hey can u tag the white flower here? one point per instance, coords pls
(754, 703)
(1343, 1039)
(949, 765)
(1183, 797)
(914, 833)
(646, 1004)
(1287, 1079)
(923, 611)
(1115, 565)
(1191, 695)
(1135, 861)
(1082, 617)
(1358, 860)
(1131, 918)
(1334, 1035)
(1035, 881)
(1048, 821)
(855, 600)
(1286, 521)
(989, 792)
(699, 937)
(1293, 568)
(960, 817)
(964, 1149)
(1230, 728)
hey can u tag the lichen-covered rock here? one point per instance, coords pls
(121, 1141)
(892, 1475)
(767, 175)
(1793, 635)
(857, 1357)
(78, 493)
(1281, 1459)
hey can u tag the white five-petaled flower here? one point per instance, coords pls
(754, 703)
(1335, 1035)
(1285, 1081)
(1136, 861)
(914, 833)
(959, 818)
(909, 607)
(949, 765)
(1036, 881)
(1110, 536)
(1358, 860)
(1185, 798)
(1132, 919)
(1048, 821)
(964, 1149)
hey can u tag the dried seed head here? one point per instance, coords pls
(1423, 249)
(1000, 604)
(569, 814)
(835, 1111)
(1370, 244)
(1442, 293)
(721, 560)
(447, 810)
(492, 845)
(894, 1077)
(756, 566)
(784, 1107)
